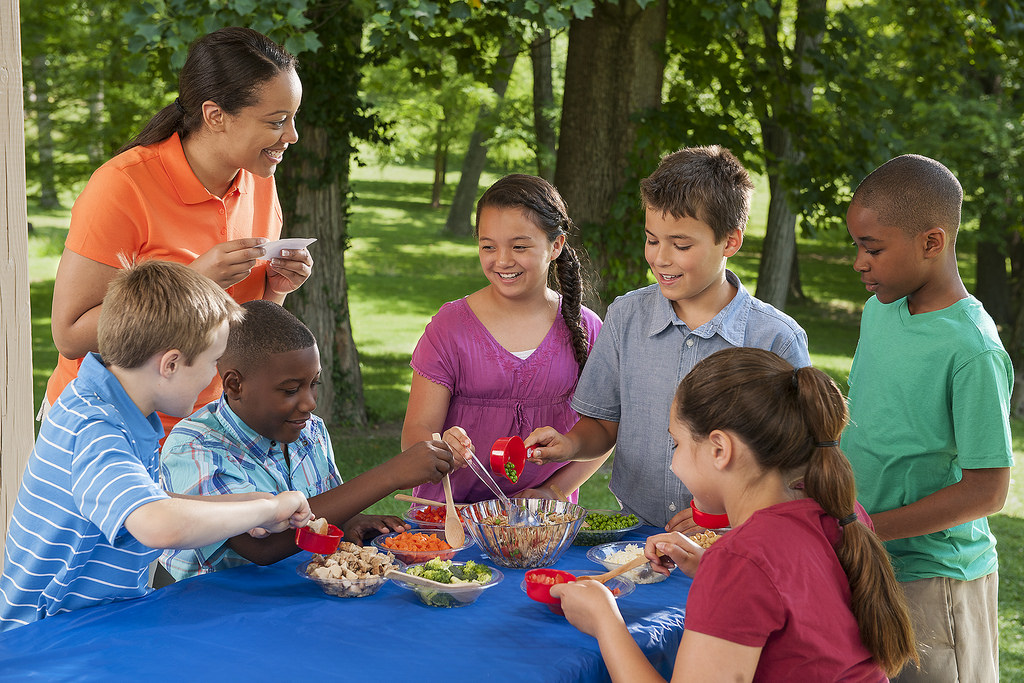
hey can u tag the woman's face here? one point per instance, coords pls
(514, 252)
(260, 133)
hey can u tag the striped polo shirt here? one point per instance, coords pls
(214, 452)
(94, 462)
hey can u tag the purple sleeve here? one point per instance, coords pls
(592, 324)
(435, 355)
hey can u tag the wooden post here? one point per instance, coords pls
(15, 316)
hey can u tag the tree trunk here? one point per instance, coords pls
(440, 165)
(779, 251)
(460, 214)
(543, 106)
(40, 99)
(614, 69)
(1014, 335)
(322, 302)
(778, 257)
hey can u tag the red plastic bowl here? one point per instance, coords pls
(511, 449)
(539, 589)
(707, 520)
(325, 544)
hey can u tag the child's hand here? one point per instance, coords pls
(422, 462)
(361, 526)
(683, 522)
(588, 605)
(291, 509)
(682, 551)
(546, 444)
(460, 444)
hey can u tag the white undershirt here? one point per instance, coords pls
(522, 355)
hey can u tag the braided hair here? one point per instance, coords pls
(546, 209)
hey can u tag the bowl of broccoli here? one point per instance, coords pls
(447, 583)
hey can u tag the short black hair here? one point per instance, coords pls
(912, 193)
(267, 329)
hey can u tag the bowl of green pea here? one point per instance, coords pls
(605, 526)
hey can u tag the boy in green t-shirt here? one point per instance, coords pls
(929, 433)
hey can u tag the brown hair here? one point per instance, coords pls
(544, 207)
(913, 193)
(228, 66)
(705, 183)
(155, 306)
(789, 419)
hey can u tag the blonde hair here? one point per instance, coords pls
(154, 306)
(791, 420)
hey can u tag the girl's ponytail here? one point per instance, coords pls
(876, 598)
(791, 421)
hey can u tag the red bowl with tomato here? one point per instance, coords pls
(537, 585)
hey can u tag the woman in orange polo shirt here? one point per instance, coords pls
(196, 186)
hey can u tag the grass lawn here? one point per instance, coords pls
(401, 269)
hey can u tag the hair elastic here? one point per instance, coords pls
(826, 444)
(848, 519)
(177, 103)
(796, 381)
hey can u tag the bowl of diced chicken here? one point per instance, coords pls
(352, 571)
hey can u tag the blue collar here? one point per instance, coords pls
(729, 323)
(95, 375)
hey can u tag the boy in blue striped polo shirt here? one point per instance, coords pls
(90, 516)
(262, 435)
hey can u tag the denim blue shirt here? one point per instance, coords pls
(642, 353)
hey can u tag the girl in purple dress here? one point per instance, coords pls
(505, 359)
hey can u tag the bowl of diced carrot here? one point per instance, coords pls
(419, 545)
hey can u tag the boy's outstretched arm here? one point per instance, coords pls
(978, 494)
(422, 462)
(588, 439)
(193, 522)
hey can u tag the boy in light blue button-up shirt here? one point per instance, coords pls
(697, 202)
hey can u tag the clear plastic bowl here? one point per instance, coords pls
(595, 536)
(642, 574)
(348, 588)
(456, 595)
(417, 556)
(523, 547)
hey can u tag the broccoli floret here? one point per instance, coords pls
(439, 575)
(472, 571)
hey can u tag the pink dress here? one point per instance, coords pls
(496, 394)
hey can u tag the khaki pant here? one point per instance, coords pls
(957, 630)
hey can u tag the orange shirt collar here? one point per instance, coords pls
(185, 182)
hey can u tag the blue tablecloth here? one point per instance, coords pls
(268, 623)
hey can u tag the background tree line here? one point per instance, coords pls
(588, 93)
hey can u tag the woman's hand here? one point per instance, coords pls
(287, 272)
(228, 263)
(681, 551)
(546, 445)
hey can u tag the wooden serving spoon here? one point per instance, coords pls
(425, 501)
(454, 534)
(559, 493)
(632, 564)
